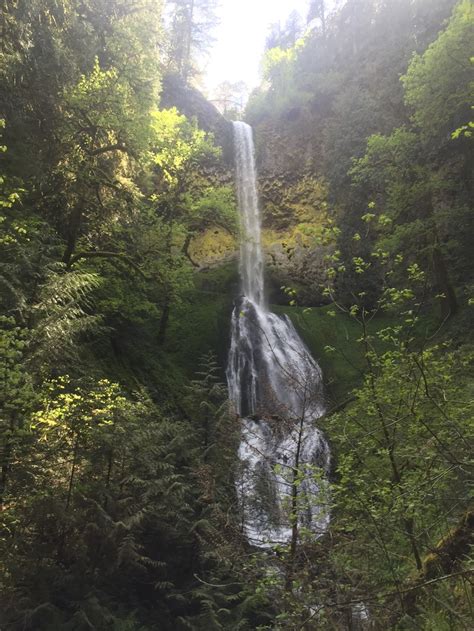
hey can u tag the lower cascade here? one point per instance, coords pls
(275, 386)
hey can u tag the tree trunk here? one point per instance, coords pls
(322, 11)
(294, 506)
(6, 459)
(4, 472)
(165, 315)
(188, 42)
(408, 522)
(185, 250)
(73, 472)
(74, 226)
(453, 549)
(449, 305)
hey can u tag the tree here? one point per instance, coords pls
(438, 83)
(104, 123)
(274, 37)
(293, 29)
(317, 11)
(177, 147)
(285, 37)
(413, 176)
(396, 551)
(16, 399)
(404, 192)
(230, 98)
(409, 405)
(49, 45)
(190, 34)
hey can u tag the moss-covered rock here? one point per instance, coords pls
(213, 247)
(287, 201)
(294, 215)
(202, 323)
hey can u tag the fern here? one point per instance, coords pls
(60, 313)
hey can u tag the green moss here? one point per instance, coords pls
(213, 245)
(287, 204)
(334, 341)
(201, 323)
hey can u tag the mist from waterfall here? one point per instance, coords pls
(275, 386)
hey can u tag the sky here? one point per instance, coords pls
(240, 38)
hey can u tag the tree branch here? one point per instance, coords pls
(376, 597)
(118, 146)
(107, 255)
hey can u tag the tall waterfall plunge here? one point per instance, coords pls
(276, 388)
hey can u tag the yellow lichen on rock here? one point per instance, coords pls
(288, 203)
(213, 246)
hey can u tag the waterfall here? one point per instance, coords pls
(251, 255)
(275, 386)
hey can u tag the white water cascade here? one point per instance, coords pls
(276, 388)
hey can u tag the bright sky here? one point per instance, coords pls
(241, 38)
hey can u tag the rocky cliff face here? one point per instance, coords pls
(294, 199)
(193, 104)
(285, 144)
(293, 194)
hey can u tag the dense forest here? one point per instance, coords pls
(119, 234)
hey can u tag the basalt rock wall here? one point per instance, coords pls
(295, 206)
